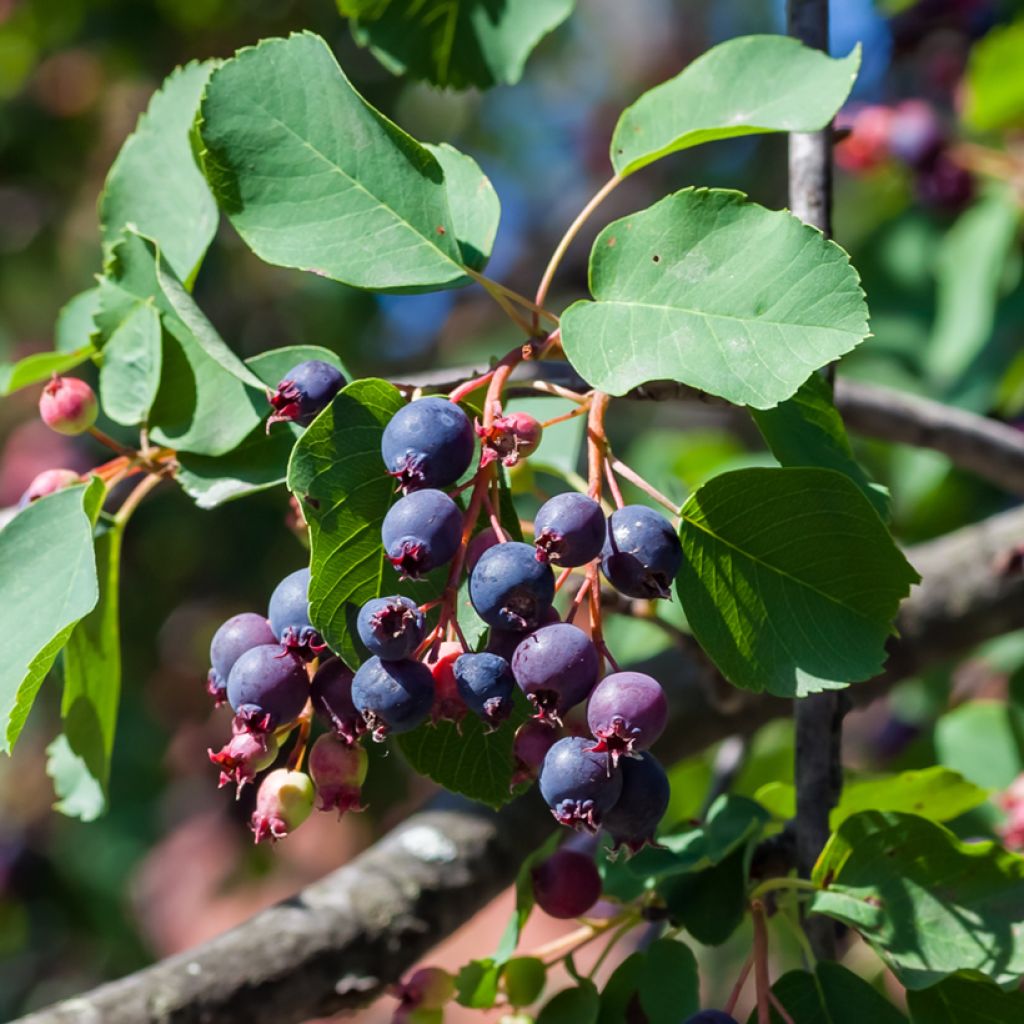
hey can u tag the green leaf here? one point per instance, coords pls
(935, 793)
(80, 757)
(524, 977)
(790, 581)
(710, 904)
(745, 86)
(313, 177)
(476, 984)
(716, 292)
(929, 904)
(455, 43)
(47, 583)
(833, 994)
(154, 184)
(982, 740)
(995, 91)
(40, 366)
(261, 460)
(472, 762)
(74, 325)
(969, 270)
(572, 1006)
(960, 1000)
(807, 430)
(669, 987)
(620, 989)
(476, 209)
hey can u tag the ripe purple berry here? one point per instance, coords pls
(267, 687)
(641, 554)
(569, 530)
(556, 667)
(510, 589)
(304, 391)
(239, 634)
(627, 712)
(428, 443)
(68, 405)
(566, 884)
(505, 641)
(390, 627)
(331, 693)
(421, 531)
(47, 482)
(641, 805)
(532, 741)
(283, 802)
(577, 784)
(338, 771)
(289, 615)
(485, 683)
(393, 696)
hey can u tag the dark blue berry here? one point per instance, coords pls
(627, 712)
(569, 530)
(510, 589)
(304, 391)
(485, 683)
(331, 693)
(566, 884)
(268, 687)
(289, 615)
(578, 785)
(239, 634)
(642, 803)
(428, 443)
(390, 627)
(556, 667)
(393, 696)
(711, 1017)
(421, 531)
(642, 553)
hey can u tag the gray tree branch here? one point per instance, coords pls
(337, 944)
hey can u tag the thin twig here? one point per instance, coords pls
(737, 989)
(638, 481)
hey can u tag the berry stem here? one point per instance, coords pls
(618, 934)
(469, 386)
(635, 478)
(762, 983)
(737, 989)
(298, 752)
(563, 577)
(613, 484)
(577, 601)
(131, 503)
(114, 446)
(581, 410)
(496, 286)
(547, 388)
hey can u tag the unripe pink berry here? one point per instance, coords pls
(244, 756)
(284, 801)
(509, 438)
(338, 770)
(448, 703)
(68, 405)
(47, 482)
(429, 988)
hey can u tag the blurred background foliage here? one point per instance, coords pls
(937, 247)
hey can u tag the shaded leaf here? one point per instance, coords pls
(718, 293)
(960, 1000)
(710, 904)
(313, 177)
(929, 904)
(620, 989)
(744, 86)
(572, 1006)
(833, 994)
(668, 985)
(790, 581)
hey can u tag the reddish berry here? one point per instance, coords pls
(284, 801)
(244, 756)
(448, 703)
(47, 482)
(566, 884)
(532, 741)
(509, 438)
(338, 771)
(68, 405)
(627, 713)
(867, 144)
(428, 988)
(331, 693)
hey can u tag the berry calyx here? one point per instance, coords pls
(331, 694)
(421, 531)
(288, 613)
(244, 756)
(283, 802)
(393, 696)
(509, 438)
(68, 405)
(48, 482)
(569, 530)
(641, 554)
(390, 627)
(577, 785)
(627, 713)
(304, 391)
(427, 443)
(338, 770)
(566, 884)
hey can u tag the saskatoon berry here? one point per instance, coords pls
(532, 741)
(556, 667)
(267, 687)
(283, 802)
(569, 530)
(510, 589)
(427, 989)
(577, 785)
(711, 1017)
(505, 641)
(47, 482)
(482, 542)
(390, 627)
(421, 531)
(566, 884)
(393, 696)
(448, 703)
(331, 693)
(641, 805)
(236, 636)
(485, 683)
(244, 756)
(338, 771)
(304, 391)
(627, 712)
(510, 438)
(641, 553)
(68, 405)
(428, 443)
(289, 615)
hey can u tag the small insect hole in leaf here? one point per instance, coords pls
(655, 258)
